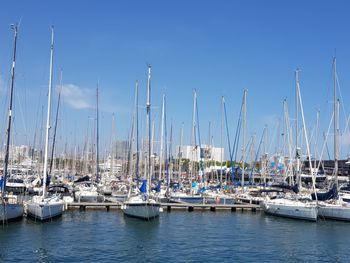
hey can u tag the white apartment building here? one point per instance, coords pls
(205, 151)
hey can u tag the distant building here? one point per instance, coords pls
(19, 153)
(205, 151)
(328, 166)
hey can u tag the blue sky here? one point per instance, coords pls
(218, 48)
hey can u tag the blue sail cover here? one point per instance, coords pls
(143, 188)
(331, 194)
(158, 187)
(202, 189)
(1, 182)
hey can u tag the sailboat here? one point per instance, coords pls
(142, 206)
(10, 208)
(294, 206)
(334, 207)
(45, 207)
(193, 196)
(89, 191)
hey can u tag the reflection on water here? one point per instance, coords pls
(42, 255)
(179, 236)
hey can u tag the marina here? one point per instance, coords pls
(187, 131)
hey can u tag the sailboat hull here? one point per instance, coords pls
(145, 210)
(334, 211)
(10, 212)
(179, 197)
(85, 197)
(44, 210)
(290, 209)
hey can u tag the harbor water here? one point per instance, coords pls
(177, 236)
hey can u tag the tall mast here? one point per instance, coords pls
(193, 139)
(221, 137)
(297, 150)
(131, 142)
(148, 109)
(335, 123)
(48, 115)
(161, 139)
(152, 151)
(113, 145)
(8, 131)
(137, 133)
(316, 138)
(201, 168)
(169, 159)
(166, 164)
(209, 147)
(306, 138)
(244, 130)
(180, 151)
(97, 138)
(55, 129)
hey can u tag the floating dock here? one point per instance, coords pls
(169, 206)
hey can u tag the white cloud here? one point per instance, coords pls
(77, 97)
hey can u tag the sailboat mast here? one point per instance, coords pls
(180, 152)
(97, 137)
(170, 156)
(55, 129)
(166, 163)
(137, 133)
(306, 139)
(152, 151)
(113, 145)
(316, 137)
(335, 122)
(8, 131)
(297, 150)
(193, 140)
(161, 139)
(148, 109)
(221, 137)
(131, 143)
(48, 115)
(208, 154)
(244, 130)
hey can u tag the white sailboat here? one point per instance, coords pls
(88, 192)
(142, 206)
(44, 207)
(294, 207)
(291, 208)
(335, 208)
(10, 208)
